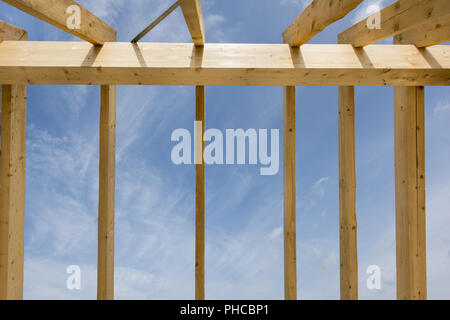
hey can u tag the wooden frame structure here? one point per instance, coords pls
(414, 61)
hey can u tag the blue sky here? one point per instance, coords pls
(155, 198)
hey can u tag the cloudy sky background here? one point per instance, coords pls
(155, 198)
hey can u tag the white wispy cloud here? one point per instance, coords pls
(367, 8)
(442, 106)
(275, 233)
(318, 186)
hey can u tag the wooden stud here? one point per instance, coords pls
(9, 32)
(26, 62)
(13, 108)
(318, 15)
(1, 87)
(290, 251)
(12, 191)
(92, 29)
(105, 267)
(347, 195)
(410, 193)
(401, 16)
(410, 188)
(200, 197)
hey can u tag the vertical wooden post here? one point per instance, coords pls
(290, 254)
(347, 195)
(200, 197)
(12, 191)
(1, 87)
(410, 193)
(105, 267)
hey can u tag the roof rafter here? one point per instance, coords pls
(12, 33)
(92, 28)
(316, 17)
(397, 18)
(192, 11)
(157, 21)
(428, 34)
(120, 63)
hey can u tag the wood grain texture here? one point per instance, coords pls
(12, 191)
(290, 211)
(106, 207)
(318, 15)
(26, 62)
(410, 193)
(347, 195)
(410, 190)
(399, 17)
(92, 29)
(428, 34)
(192, 11)
(13, 107)
(10, 32)
(200, 198)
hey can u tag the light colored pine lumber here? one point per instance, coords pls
(13, 108)
(200, 198)
(318, 15)
(192, 11)
(428, 34)
(93, 29)
(26, 62)
(10, 32)
(12, 191)
(410, 193)
(399, 17)
(106, 207)
(290, 251)
(410, 190)
(347, 195)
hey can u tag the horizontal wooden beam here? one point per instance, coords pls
(315, 18)
(23, 62)
(397, 18)
(192, 11)
(428, 34)
(92, 28)
(10, 32)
